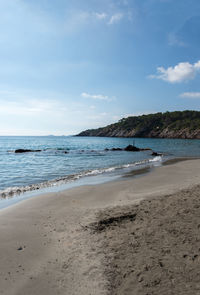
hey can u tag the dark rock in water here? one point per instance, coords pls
(116, 149)
(129, 148)
(132, 148)
(155, 154)
(22, 151)
(19, 151)
(113, 149)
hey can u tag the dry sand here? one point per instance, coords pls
(136, 236)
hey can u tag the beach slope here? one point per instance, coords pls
(134, 236)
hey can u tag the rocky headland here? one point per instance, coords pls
(185, 124)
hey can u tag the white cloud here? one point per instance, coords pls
(29, 107)
(115, 18)
(23, 104)
(95, 96)
(197, 65)
(25, 112)
(29, 112)
(183, 71)
(100, 16)
(190, 95)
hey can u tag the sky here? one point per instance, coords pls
(67, 66)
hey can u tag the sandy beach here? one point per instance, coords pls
(139, 235)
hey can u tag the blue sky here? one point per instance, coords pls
(66, 66)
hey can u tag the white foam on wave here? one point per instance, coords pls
(156, 159)
(11, 191)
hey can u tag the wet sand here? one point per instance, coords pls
(135, 236)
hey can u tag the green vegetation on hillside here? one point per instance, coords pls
(172, 120)
(180, 124)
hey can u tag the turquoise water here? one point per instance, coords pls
(65, 159)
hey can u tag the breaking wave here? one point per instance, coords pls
(12, 191)
(156, 159)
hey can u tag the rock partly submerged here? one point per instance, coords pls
(129, 148)
(155, 154)
(132, 148)
(20, 151)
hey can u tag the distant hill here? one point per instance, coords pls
(179, 124)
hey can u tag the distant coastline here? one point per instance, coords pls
(179, 124)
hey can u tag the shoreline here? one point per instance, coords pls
(107, 172)
(46, 241)
(19, 194)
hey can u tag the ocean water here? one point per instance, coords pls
(66, 158)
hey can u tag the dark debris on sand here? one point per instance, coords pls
(152, 248)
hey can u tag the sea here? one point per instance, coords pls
(67, 161)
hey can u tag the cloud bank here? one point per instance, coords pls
(100, 16)
(95, 96)
(190, 95)
(115, 18)
(182, 72)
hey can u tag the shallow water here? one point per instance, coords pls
(65, 159)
